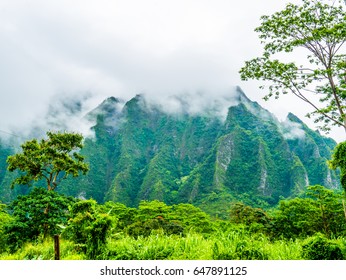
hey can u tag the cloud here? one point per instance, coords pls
(203, 102)
(292, 130)
(122, 48)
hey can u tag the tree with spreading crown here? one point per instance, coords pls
(318, 30)
(51, 159)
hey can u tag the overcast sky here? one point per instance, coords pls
(120, 48)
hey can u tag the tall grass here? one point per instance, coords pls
(233, 245)
(44, 250)
(160, 247)
(236, 245)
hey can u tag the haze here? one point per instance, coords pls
(90, 50)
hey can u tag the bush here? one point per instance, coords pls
(318, 247)
(89, 229)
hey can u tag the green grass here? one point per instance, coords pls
(235, 245)
(44, 250)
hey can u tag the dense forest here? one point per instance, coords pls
(141, 152)
(311, 226)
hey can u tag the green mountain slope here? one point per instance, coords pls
(140, 152)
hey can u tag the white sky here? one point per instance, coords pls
(124, 47)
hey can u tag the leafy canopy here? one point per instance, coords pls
(52, 159)
(320, 29)
(31, 219)
(89, 227)
(339, 161)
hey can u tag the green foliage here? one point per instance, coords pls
(319, 29)
(93, 232)
(143, 153)
(318, 247)
(255, 218)
(40, 213)
(52, 159)
(192, 218)
(155, 216)
(5, 219)
(152, 209)
(237, 245)
(330, 209)
(320, 211)
(339, 161)
(100, 154)
(193, 246)
(4, 153)
(89, 228)
(44, 251)
(125, 215)
(296, 217)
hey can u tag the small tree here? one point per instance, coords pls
(330, 209)
(30, 220)
(51, 159)
(89, 228)
(320, 29)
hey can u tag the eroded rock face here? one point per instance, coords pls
(141, 152)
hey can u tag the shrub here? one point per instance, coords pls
(89, 229)
(318, 247)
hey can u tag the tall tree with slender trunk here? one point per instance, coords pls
(318, 28)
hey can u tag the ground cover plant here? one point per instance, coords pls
(157, 231)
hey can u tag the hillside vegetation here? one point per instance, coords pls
(140, 152)
(311, 226)
(181, 186)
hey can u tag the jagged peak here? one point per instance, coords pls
(137, 99)
(241, 96)
(109, 106)
(253, 107)
(111, 99)
(293, 118)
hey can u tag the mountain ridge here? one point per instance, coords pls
(140, 152)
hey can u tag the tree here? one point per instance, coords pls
(320, 29)
(30, 219)
(89, 228)
(247, 215)
(5, 219)
(339, 161)
(330, 207)
(320, 210)
(51, 159)
(297, 217)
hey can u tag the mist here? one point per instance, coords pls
(63, 49)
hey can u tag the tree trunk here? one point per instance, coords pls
(56, 247)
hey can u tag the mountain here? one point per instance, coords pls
(140, 152)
